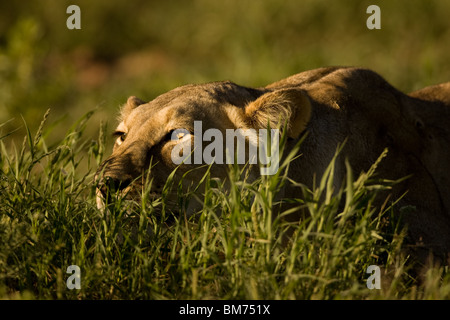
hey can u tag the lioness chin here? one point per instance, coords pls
(330, 106)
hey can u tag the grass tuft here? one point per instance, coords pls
(237, 247)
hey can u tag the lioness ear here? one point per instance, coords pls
(290, 106)
(131, 104)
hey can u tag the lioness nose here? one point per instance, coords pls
(111, 185)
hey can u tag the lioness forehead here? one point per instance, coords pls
(189, 102)
(219, 92)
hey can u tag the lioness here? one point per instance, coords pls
(331, 105)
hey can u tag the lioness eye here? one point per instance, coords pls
(120, 136)
(180, 135)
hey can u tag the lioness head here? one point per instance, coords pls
(155, 138)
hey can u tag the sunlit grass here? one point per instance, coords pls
(237, 247)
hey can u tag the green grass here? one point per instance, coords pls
(234, 248)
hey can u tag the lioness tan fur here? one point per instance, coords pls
(331, 105)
